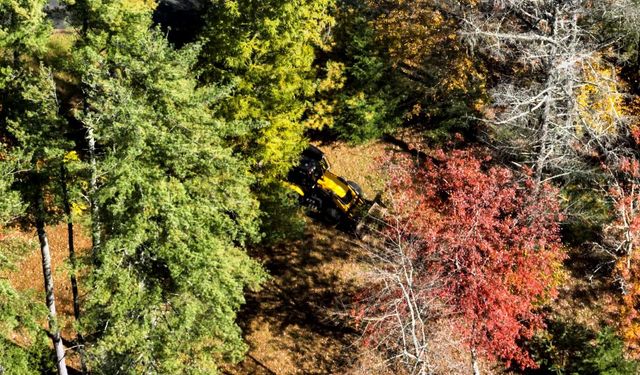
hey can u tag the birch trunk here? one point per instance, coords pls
(474, 362)
(48, 286)
(93, 189)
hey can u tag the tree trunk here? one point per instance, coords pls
(48, 286)
(72, 251)
(93, 189)
(72, 260)
(550, 65)
(474, 362)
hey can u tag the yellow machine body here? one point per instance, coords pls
(322, 191)
(340, 190)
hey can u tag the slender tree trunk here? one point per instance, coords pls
(545, 119)
(474, 362)
(48, 286)
(93, 189)
(72, 260)
(72, 250)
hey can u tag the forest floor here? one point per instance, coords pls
(298, 323)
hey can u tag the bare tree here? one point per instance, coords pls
(547, 53)
(403, 317)
(621, 236)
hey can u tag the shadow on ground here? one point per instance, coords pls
(587, 294)
(297, 323)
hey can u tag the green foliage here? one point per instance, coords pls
(22, 31)
(265, 50)
(18, 316)
(281, 216)
(10, 204)
(402, 66)
(31, 147)
(607, 357)
(587, 211)
(31, 131)
(569, 348)
(174, 203)
(59, 48)
(366, 104)
(619, 23)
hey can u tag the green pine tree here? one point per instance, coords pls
(361, 94)
(173, 202)
(607, 357)
(265, 51)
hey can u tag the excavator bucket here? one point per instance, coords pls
(372, 221)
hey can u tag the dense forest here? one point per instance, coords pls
(157, 137)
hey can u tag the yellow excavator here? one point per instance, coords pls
(335, 199)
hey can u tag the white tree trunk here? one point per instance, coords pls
(72, 259)
(474, 362)
(93, 189)
(48, 287)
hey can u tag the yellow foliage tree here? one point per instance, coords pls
(423, 43)
(600, 100)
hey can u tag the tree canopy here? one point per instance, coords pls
(512, 134)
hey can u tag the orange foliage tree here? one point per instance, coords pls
(423, 44)
(397, 63)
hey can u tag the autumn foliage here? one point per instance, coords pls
(484, 243)
(621, 238)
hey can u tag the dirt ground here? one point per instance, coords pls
(296, 324)
(28, 274)
(360, 163)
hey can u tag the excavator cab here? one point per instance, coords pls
(312, 166)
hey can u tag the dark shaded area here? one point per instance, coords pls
(300, 303)
(567, 347)
(57, 13)
(180, 20)
(405, 147)
(561, 348)
(592, 267)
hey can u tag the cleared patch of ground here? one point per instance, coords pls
(359, 163)
(297, 323)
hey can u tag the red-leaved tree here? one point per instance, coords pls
(466, 242)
